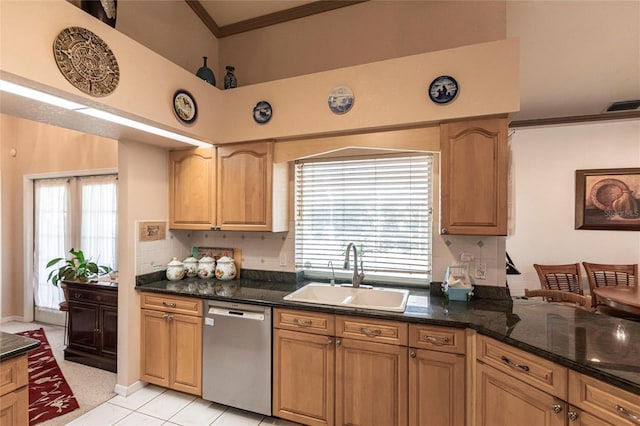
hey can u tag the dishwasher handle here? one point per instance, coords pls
(236, 313)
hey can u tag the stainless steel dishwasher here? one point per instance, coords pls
(236, 355)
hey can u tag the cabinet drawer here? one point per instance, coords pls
(370, 329)
(13, 374)
(442, 339)
(605, 401)
(171, 303)
(309, 322)
(93, 296)
(532, 369)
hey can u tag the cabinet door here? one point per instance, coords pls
(109, 328)
(371, 384)
(14, 408)
(186, 353)
(436, 388)
(474, 177)
(505, 401)
(244, 187)
(303, 377)
(84, 327)
(192, 189)
(154, 350)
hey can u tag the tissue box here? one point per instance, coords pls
(458, 293)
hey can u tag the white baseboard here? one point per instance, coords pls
(50, 316)
(13, 318)
(128, 390)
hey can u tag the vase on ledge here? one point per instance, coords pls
(205, 73)
(230, 80)
(104, 10)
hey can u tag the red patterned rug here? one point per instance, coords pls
(49, 393)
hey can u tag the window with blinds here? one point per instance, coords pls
(382, 204)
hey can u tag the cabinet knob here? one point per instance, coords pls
(444, 231)
(572, 415)
(412, 354)
(338, 342)
(330, 341)
(557, 408)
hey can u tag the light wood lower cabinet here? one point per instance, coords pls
(331, 370)
(14, 391)
(437, 376)
(171, 347)
(506, 401)
(303, 377)
(602, 401)
(371, 383)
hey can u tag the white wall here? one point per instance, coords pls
(543, 172)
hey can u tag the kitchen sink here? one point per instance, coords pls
(377, 298)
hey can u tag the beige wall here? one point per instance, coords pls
(360, 34)
(40, 149)
(543, 196)
(143, 176)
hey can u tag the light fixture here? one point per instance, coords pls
(39, 96)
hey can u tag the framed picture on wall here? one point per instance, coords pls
(608, 199)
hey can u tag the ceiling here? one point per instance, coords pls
(228, 17)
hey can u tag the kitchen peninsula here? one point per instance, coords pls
(14, 387)
(585, 350)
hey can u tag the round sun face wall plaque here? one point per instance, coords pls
(86, 61)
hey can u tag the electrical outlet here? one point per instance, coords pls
(466, 257)
(481, 271)
(283, 259)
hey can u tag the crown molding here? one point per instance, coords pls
(266, 20)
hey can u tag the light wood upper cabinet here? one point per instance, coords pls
(192, 201)
(229, 188)
(474, 177)
(251, 193)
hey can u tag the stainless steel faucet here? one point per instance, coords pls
(357, 277)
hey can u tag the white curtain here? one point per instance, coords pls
(75, 212)
(99, 219)
(52, 236)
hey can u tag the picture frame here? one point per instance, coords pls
(607, 199)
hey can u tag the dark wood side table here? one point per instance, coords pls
(92, 334)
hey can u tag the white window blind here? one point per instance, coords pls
(382, 204)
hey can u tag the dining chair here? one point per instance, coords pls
(560, 296)
(566, 278)
(601, 275)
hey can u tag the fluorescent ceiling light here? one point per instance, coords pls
(107, 116)
(39, 96)
(27, 92)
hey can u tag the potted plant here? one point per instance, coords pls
(76, 268)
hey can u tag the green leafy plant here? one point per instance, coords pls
(77, 268)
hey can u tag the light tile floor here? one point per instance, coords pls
(154, 405)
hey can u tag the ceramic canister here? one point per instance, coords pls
(175, 270)
(225, 268)
(190, 267)
(206, 267)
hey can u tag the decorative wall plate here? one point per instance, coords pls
(262, 112)
(443, 89)
(86, 61)
(341, 100)
(184, 105)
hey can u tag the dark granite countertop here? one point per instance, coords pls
(12, 345)
(600, 346)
